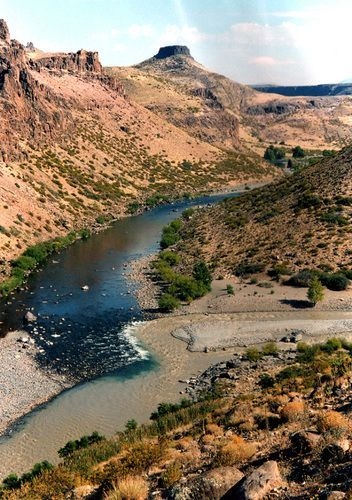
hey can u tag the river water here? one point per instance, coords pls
(88, 335)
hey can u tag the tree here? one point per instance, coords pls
(298, 152)
(315, 291)
(202, 274)
(273, 153)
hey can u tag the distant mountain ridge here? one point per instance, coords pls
(216, 109)
(325, 89)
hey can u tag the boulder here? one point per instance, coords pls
(304, 441)
(258, 484)
(211, 485)
(29, 317)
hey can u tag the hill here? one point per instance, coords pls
(302, 221)
(75, 150)
(327, 89)
(224, 112)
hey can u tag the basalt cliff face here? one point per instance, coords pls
(29, 111)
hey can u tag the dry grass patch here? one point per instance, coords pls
(333, 422)
(293, 411)
(129, 488)
(234, 451)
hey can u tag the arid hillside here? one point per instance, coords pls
(214, 108)
(75, 150)
(302, 221)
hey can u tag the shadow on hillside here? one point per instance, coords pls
(297, 304)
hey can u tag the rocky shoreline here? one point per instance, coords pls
(24, 385)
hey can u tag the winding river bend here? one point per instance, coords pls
(88, 335)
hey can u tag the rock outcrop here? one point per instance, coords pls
(81, 62)
(258, 484)
(30, 110)
(173, 50)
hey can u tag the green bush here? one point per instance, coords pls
(298, 152)
(168, 303)
(315, 292)
(171, 258)
(335, 218)
(247, 268)
(335, 281)
(186, 288)
(171, 234)
(202, 274)
(301, 279)
(77, 444)
(230, 290)
(270, 349)
(253, 354)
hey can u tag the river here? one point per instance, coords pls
(88, 334)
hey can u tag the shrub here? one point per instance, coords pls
(78, 444)
(171, 475)
(186, 288)
(171, 258)
(266, 381)
(335, 281)
(129, 488)
(278, 270)
(230, 290)
(333, 422)
(168, 303)
(315, 291)
(335, 218)
(253, 354)
(244, 269)
(235, 451)
(298, 152)
(273, 153)
(293, 411)
(170, 234)
(331, 345)
(301, 279)
(202, 274)
(270, 349)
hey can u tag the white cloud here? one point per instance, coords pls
(140, 31)
(264, 61)
(174, 34)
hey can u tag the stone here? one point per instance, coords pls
(258, 484)
(335, 495)
(210, 485)
(29, 317)
(304, 441)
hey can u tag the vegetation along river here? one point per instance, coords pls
(88, 335)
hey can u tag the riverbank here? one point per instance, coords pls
(255, 313)
(24, 385)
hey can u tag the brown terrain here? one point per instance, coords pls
(302, 221)
(221, 111)
(74, 147)
(274, 420)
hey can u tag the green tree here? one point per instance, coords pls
(315, 291)
(298, 152)
(168, 303)
(202, 274)
(273, 153)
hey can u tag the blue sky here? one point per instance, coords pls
(290, 42)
